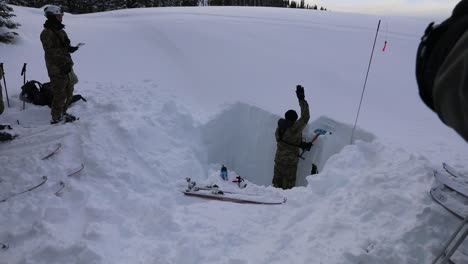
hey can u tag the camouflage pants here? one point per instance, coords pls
(285, 175)
(62, 92)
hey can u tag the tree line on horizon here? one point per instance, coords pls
(92, 6)
(7, 25)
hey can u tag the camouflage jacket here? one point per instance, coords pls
(450, 91)
(55, 43)
(289, 136)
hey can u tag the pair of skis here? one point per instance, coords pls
(452, 193)
(42, 181)
(451, 190)
(62, 183)
(215, 193)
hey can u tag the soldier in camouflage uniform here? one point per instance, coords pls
(59, 63)
(289, 141)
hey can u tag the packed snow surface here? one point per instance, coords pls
(178, 92)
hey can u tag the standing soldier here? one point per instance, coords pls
(59, 63)
(289, 141)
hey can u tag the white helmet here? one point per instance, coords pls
(52, 10)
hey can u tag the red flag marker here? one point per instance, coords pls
(384, 47)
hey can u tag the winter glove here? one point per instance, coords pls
(300, 92)
(306, 145)
(72, 49)
(66, 69)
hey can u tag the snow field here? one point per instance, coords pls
(176, 92)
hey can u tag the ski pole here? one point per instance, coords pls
(23, 73)
(4, 82)
(365, 82)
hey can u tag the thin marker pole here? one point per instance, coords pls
(365, 82)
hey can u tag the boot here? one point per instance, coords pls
(65, 118)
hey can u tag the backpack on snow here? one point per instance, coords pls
(41, 93)
(435, 46)
(36, 93)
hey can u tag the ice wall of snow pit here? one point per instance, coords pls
(337, 137)
(243, 138)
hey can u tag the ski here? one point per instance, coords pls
(213, 191)
(53, 152)
(458, 184)
(61, 187)
(43, 180)
(449, 169)
(236, 198)
(77, 171)
(451, 200)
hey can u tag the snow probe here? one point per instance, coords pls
(2, 71)
(365, 83)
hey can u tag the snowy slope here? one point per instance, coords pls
(176, 92)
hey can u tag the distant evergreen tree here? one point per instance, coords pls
(293, 4)
(302, 4)
(189, 3)
(6, 25)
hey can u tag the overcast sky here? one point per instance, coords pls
(391, 7)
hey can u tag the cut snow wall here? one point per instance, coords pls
(243, 139)
(338, 136)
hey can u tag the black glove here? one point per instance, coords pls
(66, 69)
(306, 145)
(72, 49)
(300, 92)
